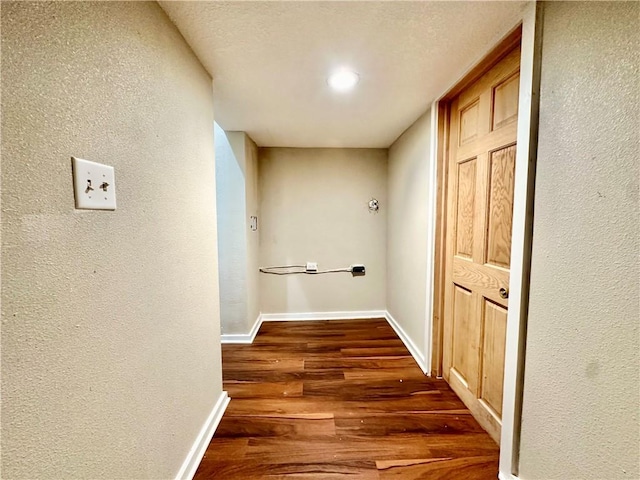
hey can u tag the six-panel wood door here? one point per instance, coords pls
(482, 149)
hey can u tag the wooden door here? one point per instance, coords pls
(481, 162)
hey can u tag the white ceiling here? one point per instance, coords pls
(270, 60)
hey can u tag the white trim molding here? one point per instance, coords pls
(506, 476)
(417, 355)
(522, 226)
(431, 239)
(296, 317)
(194, 457)
(243, 338)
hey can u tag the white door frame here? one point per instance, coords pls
(527, 136)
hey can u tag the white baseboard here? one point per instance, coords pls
(243, 337)
(285, 317)
(194, 457)
(415, 351)
(506, 476)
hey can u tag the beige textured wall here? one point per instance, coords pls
(408, 219)
(232, 230)
(253, 237)
(314, 208)
(238, 245)
(581, 397)
(110, 322)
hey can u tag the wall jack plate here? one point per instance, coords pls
(94, 185)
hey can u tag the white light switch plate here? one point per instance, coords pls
(94, 185)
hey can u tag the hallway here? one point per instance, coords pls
(114, 321)
(329, 399)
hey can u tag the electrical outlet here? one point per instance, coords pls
(357, 270)
(94, 185)
(312, 267)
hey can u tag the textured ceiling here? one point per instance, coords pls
(270, 60)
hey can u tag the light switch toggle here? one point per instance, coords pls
(104, 186)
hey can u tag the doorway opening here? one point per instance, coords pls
(479, 140)
(486, 138)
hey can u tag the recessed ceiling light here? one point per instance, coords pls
(343, 80)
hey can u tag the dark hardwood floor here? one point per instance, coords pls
(340, 399)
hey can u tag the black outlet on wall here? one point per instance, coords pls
(358, 270)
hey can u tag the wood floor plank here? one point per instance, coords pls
(377, 363)
(271, 364)
(360, 389)
(250, 375)
(414, 404)
(340, 399)
(253, 469)
(280, 426)
(276, 450)
(368, 351)
(468, 468)
(398, 374)
(264, 389)
(226, 448)
(404, 424)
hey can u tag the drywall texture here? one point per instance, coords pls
(314, 207)
(110, 320)
(270, 60)
(238, 244)
(408, 218)
(253, 237)
(232, 244)
(581, 404)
